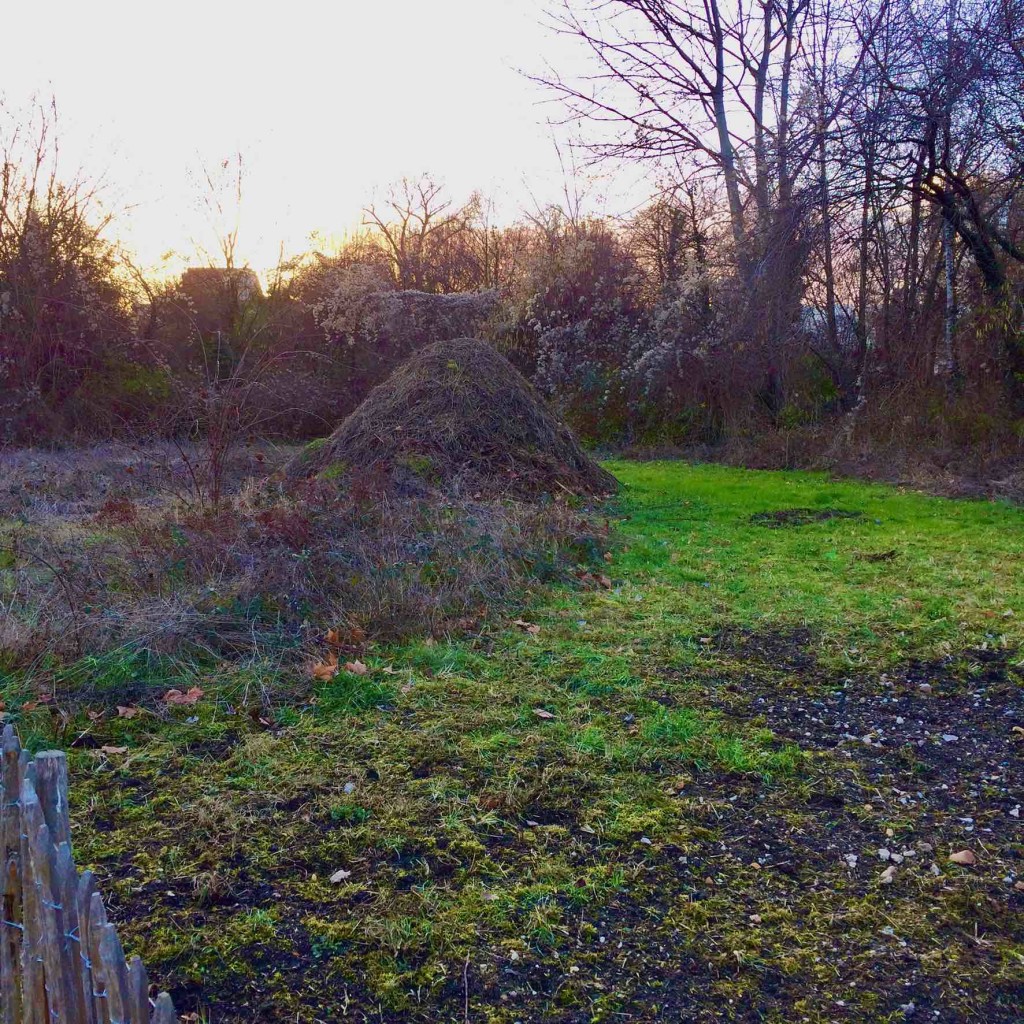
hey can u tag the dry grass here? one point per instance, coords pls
(107, 566)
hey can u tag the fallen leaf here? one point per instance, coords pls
(605, 582)
(94, 716)
(333, 637)
(1018, 731)
(965, 857)
(541, 713)
(527, 627)
(30, 705)
(125, 712)
(112, 750)
(326, 669)
(356, 668)
(340, 875)
(177, 697)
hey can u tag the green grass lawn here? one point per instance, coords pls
(667, 803)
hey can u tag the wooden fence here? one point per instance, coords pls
(60, 959)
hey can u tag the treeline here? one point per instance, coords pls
(835, 246)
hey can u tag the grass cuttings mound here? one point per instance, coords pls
(457, 413)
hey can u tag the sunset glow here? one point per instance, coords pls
(326, 103)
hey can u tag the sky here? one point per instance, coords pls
(326, 102)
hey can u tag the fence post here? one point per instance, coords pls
(61, 961)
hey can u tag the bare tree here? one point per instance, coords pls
(424, 235)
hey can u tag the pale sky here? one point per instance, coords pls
(327, 102)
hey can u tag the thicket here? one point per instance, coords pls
(834, 259)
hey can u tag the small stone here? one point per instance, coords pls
(350, 787)
(755, 918)
(966, 858)
(646, 841)
(888, 876)
(908, 1009)
(924, 687)
(851, 860)
(884, 854)
(948, 737)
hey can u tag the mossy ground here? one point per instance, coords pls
(647, 810)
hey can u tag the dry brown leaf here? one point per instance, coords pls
(605, 582)
(326, 669)
(30, 705)
(527, 627)
(177, 697)
(347, 636)
(126, 712)
(94, 716)
(965, 857)
(112, 750)
(541, 713)
(356, 668)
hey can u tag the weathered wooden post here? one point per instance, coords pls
(60, 959)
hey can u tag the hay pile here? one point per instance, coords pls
(456, 414)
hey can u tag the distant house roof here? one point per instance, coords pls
(217, 292)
